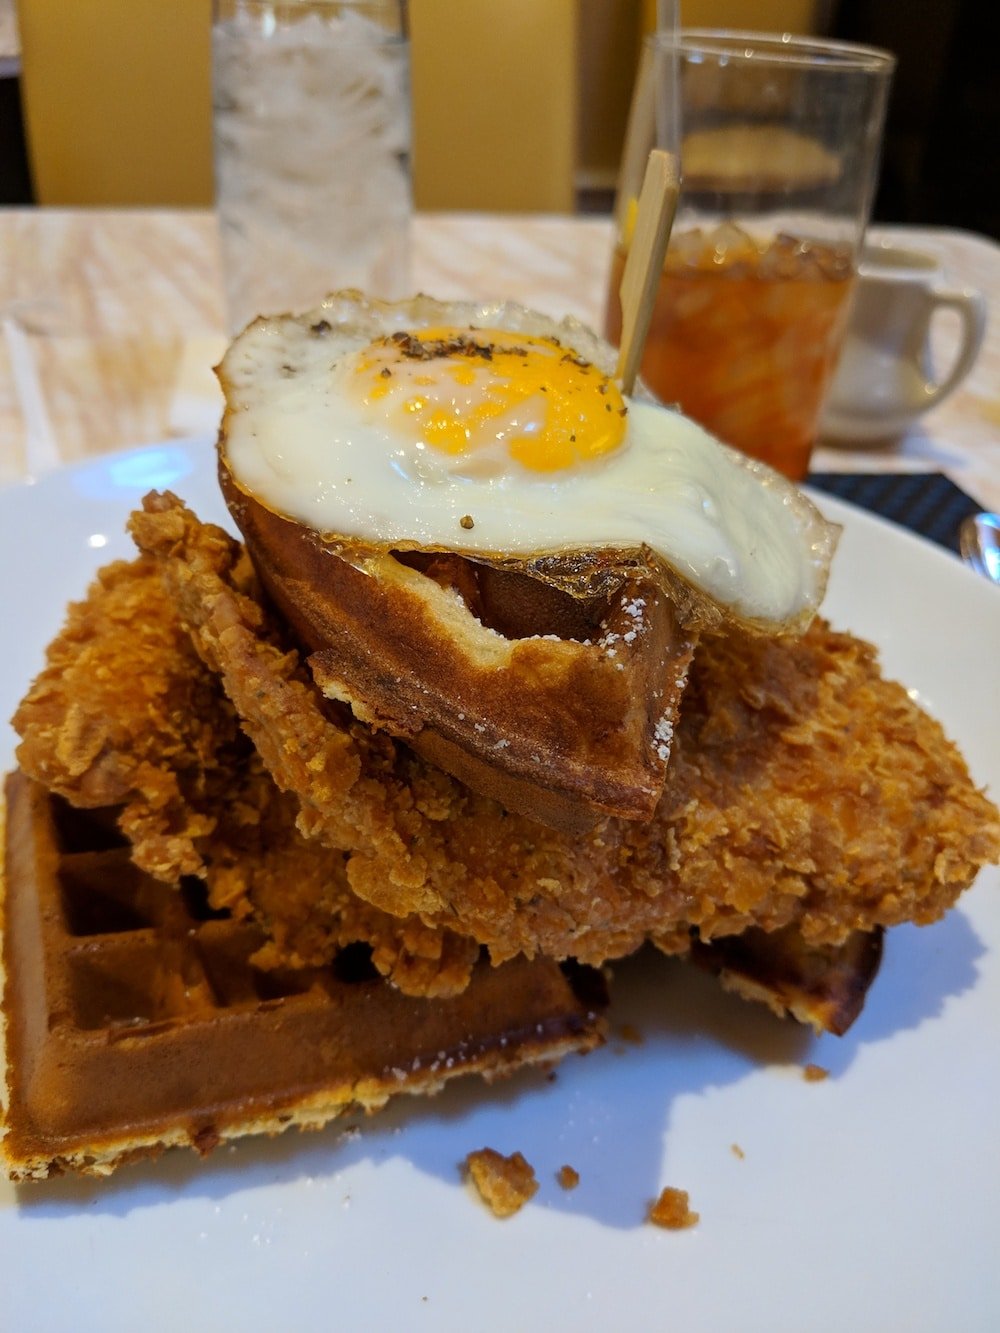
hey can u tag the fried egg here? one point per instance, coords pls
(494, 432)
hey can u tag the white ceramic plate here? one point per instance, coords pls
(868, 1201)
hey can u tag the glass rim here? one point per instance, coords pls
(777, 48)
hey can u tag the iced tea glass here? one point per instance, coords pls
(311, 108)
(779, 144)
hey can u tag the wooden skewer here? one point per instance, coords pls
(655, 217)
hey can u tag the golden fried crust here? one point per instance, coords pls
(505, 1184)
(297, 890)
(803, 788)
(804, 760)
(125, 714)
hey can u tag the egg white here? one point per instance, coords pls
(298, 440)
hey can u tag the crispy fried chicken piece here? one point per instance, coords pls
(803, 787)
(297, 889)
(93, 734)
(125, 714)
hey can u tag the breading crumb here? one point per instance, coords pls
(737, 1151)
(815, 1073)
(671, 1210)
(504, 1183)
(568, 1177)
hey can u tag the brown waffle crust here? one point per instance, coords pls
(822, 986)
(134, 1020)
(558, 705)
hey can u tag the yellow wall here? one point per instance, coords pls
(494, 103)
(117, 100)
(515, 101)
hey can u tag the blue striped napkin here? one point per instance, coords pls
(926, 503)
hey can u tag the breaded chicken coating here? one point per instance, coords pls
(125, 714)
(803, 788)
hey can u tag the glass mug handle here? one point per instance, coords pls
(971, 310)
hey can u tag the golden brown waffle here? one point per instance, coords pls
(559, 705)
(134, 1020)
(823, 986)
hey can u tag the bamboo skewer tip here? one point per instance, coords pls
(654, 219)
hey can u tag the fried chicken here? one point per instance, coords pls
(806, 792)
(125, 714)
(804, 788)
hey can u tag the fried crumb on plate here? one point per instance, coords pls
(815, 1073)
(505, 1184)
(671, 1210)
(568, 1177)
(737, 1151)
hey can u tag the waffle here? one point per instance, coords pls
(823, 986)
(558, 705)
(134, 1020)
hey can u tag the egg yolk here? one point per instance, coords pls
(480, 394)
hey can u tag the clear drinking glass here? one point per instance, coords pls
(779, 143)
(311, 107)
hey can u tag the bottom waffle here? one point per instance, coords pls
(822, 986)
(135, 1021)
